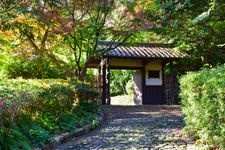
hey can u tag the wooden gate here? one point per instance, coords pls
(153, 95)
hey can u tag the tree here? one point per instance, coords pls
(32, 36)
(41, 23)
(195, 27)
(84, 24)
(8, 5)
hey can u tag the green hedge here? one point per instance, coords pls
(35, 69)
(203, 104)
(31, 111)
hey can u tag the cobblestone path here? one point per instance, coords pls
(135, 127)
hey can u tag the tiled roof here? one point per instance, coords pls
(144, 50)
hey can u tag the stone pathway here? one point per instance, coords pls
(135, 127)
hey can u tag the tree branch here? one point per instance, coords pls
(43, 41)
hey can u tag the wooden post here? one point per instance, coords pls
(103, 82)
(171, 84)
(143, 80)
(100, 81)
(107, 82)
(163, 63)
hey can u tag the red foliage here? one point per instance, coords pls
(2, 104)
(169, 15)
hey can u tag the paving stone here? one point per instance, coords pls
(141, 127)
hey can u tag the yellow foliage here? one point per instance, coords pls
(144, 4)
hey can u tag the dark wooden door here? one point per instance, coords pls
(153, 95)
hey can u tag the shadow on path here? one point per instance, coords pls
(135, 127)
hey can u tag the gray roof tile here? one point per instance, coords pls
(144, 51)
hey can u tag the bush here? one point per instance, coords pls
(130, 87)
(119, 79)
(31, 111)
(35, 68)
(203, 104)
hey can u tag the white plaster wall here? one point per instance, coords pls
(153, 65)
(137, 88)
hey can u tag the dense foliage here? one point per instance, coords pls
(42, 39)
(31, 111)
(119, 81)
(197, 28)
(203, 103)
(52, 28)
(66, 32)
(192, 26)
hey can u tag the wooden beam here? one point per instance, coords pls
(163, 63)
(107, 82)
(100, 81)
(103, 82)
(126, 67)
(144, 63)
(171, 84)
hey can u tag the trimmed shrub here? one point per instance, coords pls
(35, 68)
(31, 111)
(203, 104)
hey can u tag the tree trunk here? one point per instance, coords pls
(81, 73)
